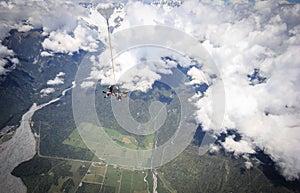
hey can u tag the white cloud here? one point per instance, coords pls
(62, 42)
(23, 27)
(6, 56)
(87, 84)
(57, 80)
(262, 42)
(197, 75)
(248, 164)
(56, 18)
(2, 69)
(135, 69)
(45, 53)
(240, 38)
(60, 74)
(213, 148)
(237, 147)
(7, 5)
(46, 91)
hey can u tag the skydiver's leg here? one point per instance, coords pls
(119, 97)
(106, 94)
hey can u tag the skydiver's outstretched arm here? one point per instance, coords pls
(107, 93)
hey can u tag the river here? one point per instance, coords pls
(21, 147)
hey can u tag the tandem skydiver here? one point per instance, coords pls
(114, 90)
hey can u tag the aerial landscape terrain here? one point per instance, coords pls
(208, 96)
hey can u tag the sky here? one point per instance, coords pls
(255, 47)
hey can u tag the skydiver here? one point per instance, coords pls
(114, 90)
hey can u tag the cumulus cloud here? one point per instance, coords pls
(248, 164)
(197, 76)
(45, 53)
(62, 42)
(136, 69)
(213, 148)
(6, 57)
(87, 84)
(255, 47)
(57, 80)
(59, 20)
(46, 91)
(237, 147)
